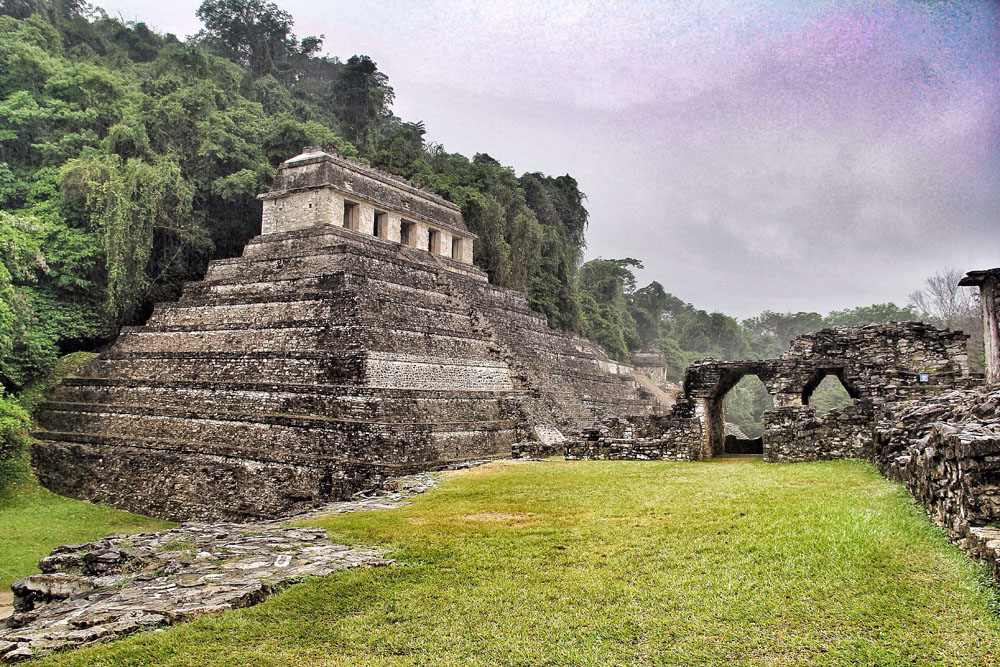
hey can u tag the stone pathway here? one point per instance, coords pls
(119, 585)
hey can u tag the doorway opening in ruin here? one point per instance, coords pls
(456, 248)
(434, 241)
(827, 391)
(381, 228)
(407, 232)
(351, 215)
(742, 416)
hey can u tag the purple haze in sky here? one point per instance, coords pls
(754, 155)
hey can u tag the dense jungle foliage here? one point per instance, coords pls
(129, 159)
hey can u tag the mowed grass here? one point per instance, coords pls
(725, 562)
(33, 521)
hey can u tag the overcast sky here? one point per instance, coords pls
(754, 155)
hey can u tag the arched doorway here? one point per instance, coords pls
(740, 391)
(743, 407)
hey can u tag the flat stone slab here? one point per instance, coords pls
(119, 585)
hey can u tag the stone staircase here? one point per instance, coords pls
(320, 362)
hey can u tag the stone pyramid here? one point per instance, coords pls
(353, 341)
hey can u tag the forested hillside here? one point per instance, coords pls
(129, 159)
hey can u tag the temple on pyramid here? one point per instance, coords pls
(353, 341)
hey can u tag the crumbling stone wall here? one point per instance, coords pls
(946, 450)
(656, 437)
(797, 433)
(878, 364)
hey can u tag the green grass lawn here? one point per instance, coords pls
(725, 562)
(33, 520)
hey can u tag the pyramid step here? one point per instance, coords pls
(304, 435)
(402, 405)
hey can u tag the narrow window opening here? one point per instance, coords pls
(829, 394)
(351, 215)
(456, 248)
(381, 229)
(434, 241)
(407, 233)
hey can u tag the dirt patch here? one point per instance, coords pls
(509, 518)
(496, 516)
(485, 468)
(6, 604)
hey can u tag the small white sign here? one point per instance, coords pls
(925, 377)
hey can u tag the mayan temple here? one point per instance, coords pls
(353, 340)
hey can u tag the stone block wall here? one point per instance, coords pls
(946, 450)
(878, 365)
(797, 433)
(673, 437)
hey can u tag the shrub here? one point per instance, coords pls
(14, 424)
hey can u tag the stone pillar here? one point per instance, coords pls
(366, 219)
(394, 222)
(421, 232)
(988, 282)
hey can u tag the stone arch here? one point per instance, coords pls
(711, 385)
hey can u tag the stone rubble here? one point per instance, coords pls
(946, 450)
(123, 584)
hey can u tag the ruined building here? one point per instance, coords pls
(878, 364)
(353, 340)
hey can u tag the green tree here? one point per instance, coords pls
(14, 425)
(129, 202)
(257, 35)
(362, 96)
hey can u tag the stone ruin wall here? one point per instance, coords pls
(945, 450)
(878, 364)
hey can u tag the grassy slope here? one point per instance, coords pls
(33, 520)
(722, 562)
